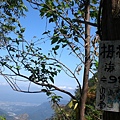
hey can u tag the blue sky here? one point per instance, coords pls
(35, 26)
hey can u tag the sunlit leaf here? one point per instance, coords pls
(54, 40)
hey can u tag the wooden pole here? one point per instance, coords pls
(110, 31)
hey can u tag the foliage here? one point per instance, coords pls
(91, 112)
(25, 55)
(2, 118)
(71, 109)
(70, 32)
(62, 112)
(10, 12)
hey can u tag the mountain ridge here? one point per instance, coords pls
(40, 112)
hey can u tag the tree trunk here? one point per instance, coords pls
(87, 62)
(110, 29)
(110, 23)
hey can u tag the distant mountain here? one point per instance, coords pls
(21, 106)
(21, 112)
(1, 112)
(9, 95)
(42, 112)
(5, 114)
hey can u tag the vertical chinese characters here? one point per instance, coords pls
(109, 76)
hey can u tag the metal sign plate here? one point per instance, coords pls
(108, 90)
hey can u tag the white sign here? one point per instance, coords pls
(108, 90)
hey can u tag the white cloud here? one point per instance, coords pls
(66, 87)
(71, 88)
(62, 87)
(3, 83)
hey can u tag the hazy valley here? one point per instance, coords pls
(21, 106)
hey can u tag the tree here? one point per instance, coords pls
(70, 110)
(72, 20)
(10, 12)
(91, 112)
(109, 30)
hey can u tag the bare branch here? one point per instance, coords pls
(56, 88)
(68, 70)
(16, 88)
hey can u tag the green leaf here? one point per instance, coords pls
(20, 36)
(54, 40)
(70, 104)
(76, 39)
(63, 31)
(77, 48)
(62, 23)
(75, 106)
(51, 20)
(50, 68)
(46, 32)
(96, 64)
(44, 90)
(3, 63)
(22, 30)
(72, 3)
(59, 66)
(56, 47)
(43, 66)
(51, 78)
(18, 67)
(64, 45)
(48, 93)
(59, 71)
(43, 10)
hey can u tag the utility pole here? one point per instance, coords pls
(110, 31)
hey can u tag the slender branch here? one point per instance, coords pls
(68, 70)
(16, 88)
(71, 25)
(7, 66)
(79, 21)
(61, 64)
(10, 83)
(49, 59)
(86, 22)
(56, 88)
(29, 86)
(76, 53)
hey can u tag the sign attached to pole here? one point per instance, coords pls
(108, 90)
